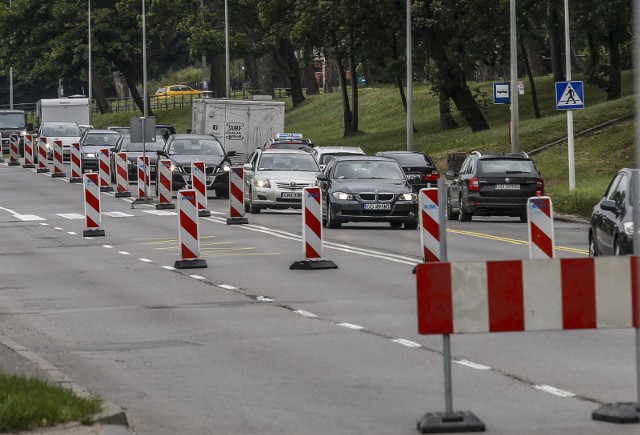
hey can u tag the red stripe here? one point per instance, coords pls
(310, 252)
(506, 296)
(165, 182)
(541, 240)
(92, 201)
(236, 192)
(431, 226)
(234, 213)
(312, 222)
(435, 304)
(635, 290)
(578, 293)
(544, 205)
(186, 252)
(189, 225)
(198, 185)
(432, 194)
(91, 223)
(428, 255)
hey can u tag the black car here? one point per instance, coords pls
(164, 130)
(135, 150)
(611, 230)
(367, 189)
(90, 145)
(420, 169)
(493, 185)
(183, 149)
(289, 141)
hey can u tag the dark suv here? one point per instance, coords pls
(492, 185)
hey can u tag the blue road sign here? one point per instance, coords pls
(569, 95)
(501, 93)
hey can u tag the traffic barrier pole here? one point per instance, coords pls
(199, 184)
(144, 175)
(28, 152)
(541, 229)
(58, 169)
(165, 185)
(122, 175)
(104, 169)
(236, 197)
(14, 151)
(42, 155)
(429, 224)
(189, 232)
(312, 232)
(92, 214)
(76, 164)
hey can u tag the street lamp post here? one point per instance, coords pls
(90, 67)
(515, 116)
(409, 82)
(572, 166)
(226, 44)
(10, 78)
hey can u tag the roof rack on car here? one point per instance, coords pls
(477, 153)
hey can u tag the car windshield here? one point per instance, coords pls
(61, 130)
(408, 159)
(506, 166)
(368, 169)
(191, 147)
(128, 146)
(12, 120)
(288, 162)
(326, 158)
(290, 146)
(96, 139)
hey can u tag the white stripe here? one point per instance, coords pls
(107, 246)
(264, 299)
(407, 343)
(351, 326)
(71, 232)
(44, 224)
(467, 363)
(540, 219)
(227, 287)
(88, 238)
(614, 308)
(542, 288)
(71, 215)
(555, 391)
(197, 277)
(117, 214)
(160, 212)
(430, 242)
(124, 253)
(305, 313)
(469, 297)
(146, 260)
(29, 217)
(58, 228)
(169, 267)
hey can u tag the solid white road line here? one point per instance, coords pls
(305, 314)
(407, 343)
(227, 287)
(200, 277)
(553, 390)
(467, 363)
(351, 326)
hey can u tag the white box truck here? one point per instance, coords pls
(240, 125)
(63, 109)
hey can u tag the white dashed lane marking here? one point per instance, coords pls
(200, 277)
(169, 267)
(351, 326)
(553, 390)
(407, 343)
(305, 313)
(71, 215)
(467, 363)
(227, 287)
(146, 260)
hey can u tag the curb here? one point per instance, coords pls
(111, 413)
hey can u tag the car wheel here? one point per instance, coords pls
(222, 193)
(252, 208)
(411, 225)
(463, 216)
(331, 222)
(593, 249)
(524, 218)
(451, 215)
(395, 224)
(616, 247)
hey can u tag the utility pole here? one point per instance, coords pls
(90, 67)
(515, 115)
(409, 82)
(572, 164)
(10, 77)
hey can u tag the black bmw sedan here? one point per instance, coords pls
(367, 189)
(611, 225)
(420, 169)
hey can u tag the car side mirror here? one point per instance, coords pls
(322, 167)
(161, 153)
(248, 167)
(322, 177)
(113, 150)
(231, 153)
(609, 205)
(450, 174)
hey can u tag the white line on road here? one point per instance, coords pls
(73, 233)
(124, 253)
(407, 343)
(200, 277)
(467, 363)
(305, 313)
(117, 214)
(264, 299)
(107, 246)
(351, 326)
(58, 228)
(227, 287)
(29, 217)
(169, 267)
(146, 260)
(44, 224)
(70, 215)
(160, 212)
(553, 390)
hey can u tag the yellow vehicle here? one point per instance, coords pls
(176, 91)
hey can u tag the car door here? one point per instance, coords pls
(607, 219)
(249, 173)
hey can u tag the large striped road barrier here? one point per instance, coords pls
(104, 169)
(92, 212)
(144, 179)
(28, 152)
(189, 231)
(122, 175)
(541, 231)
(14, 151)
(236, 197)
(199, 184)
(43, 158)
(312, 232)
(533, 295)
(165, 185)
(76, 164)
(58, 168)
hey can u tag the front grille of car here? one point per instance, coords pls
(373, 196)
(288, 186)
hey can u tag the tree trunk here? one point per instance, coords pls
(289, 62)
(555, 41)
(614, 90)
(120, 85)
(265, 75)
(594, 48)
(534, 54)
(218, 81)
(346, 110)
(330, 77)
(98, 93)
(310, 81)
(251, 72)
(532, 82)
(137, 98)
(446, 118)
(354, 93)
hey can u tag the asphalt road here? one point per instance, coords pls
(249, 346)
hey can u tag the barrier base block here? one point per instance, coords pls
(237, 220)
(165, 206)
(313, 264)
(204, 212)
(198, 263)
(618, 413)
(28, 166)
(442, 422)
(42, 170)
(123, 195)
(142, 201)
(75, 180)
(1, 160)
(106, 189)
(14, 163)
(58, 175)
(92, 233)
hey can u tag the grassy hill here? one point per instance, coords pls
(383, 127)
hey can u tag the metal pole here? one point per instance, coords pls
(409, 81)
(634, 196)
(515, 116)
(204, 56)
(90, 67)
(571, 157)
(10, 78)
(144, 91)
(226, 43)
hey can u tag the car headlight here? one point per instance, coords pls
(89, 155)
(343, 196)
(173, 168)
(628, 228)
(23, 133)
(407, 197)
(49, 146)
(261, 183)
(226, 168)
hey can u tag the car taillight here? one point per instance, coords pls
(539, 187)
(432, 176)
(473, 184)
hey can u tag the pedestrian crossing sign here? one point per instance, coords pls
(569, 95)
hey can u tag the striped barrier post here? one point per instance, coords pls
(199, 183)
(430, 224)
(144, 174)
(14, 150)
(28, 152)
(92, 214)
(165, 185)
(76, 164)
(122, 175)
(58, 169)
(541, 229)
(189, 232)
(236, 197)
(43, 159)
(312, 232)
(104, 169)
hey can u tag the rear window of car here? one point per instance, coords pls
(411, 159)
(62, 130)
(290, 146)
(506, 166)
(92, 139)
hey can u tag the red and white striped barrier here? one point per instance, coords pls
(14, 151)
(28, 152)
(165, 185)
(189, 232)
(541, 230)
(76, 163)
(312, 232)
(199, 184)
(122, 175)
(236, 197)
(58, 169)
(144, 175)
(43, 159)
(429, 224)
(104, 169)
(92, 214)
(528, 295)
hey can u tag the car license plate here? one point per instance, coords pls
(209, 178)
(414, 177)
(377, 206)
(291, 195)
(507, 187)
